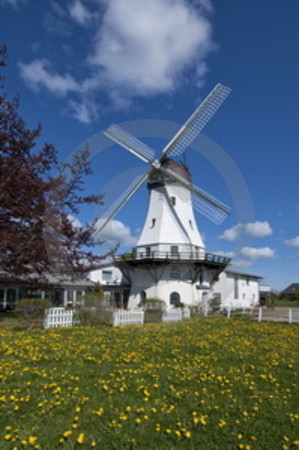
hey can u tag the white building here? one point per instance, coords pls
(234, 289)
(169, 261)
(237, 290)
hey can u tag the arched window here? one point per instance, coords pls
(175, 298)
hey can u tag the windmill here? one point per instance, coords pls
(170, 237)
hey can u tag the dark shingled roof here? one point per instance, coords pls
(292, 289)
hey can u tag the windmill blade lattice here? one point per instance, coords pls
(120, 202)
(197, 121)
(126, 140)
(205, 203)
(208, 210)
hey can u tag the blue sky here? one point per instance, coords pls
(80, 65)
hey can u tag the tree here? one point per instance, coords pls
(37, 197)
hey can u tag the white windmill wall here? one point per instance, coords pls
(170, 222)
(172, 278)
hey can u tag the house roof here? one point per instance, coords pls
(247, 275)
(291, 289)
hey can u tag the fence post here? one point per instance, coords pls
(206, 310)
(290, 315)
(228, 312)
(260, 314)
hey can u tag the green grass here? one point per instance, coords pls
(204, 384)
(286, 304)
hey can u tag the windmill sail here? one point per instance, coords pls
(208, 210)
(120, 202)
(126, 140)
(205, 203)
(197, 121)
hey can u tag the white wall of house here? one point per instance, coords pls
(107, 274)
(237, 290)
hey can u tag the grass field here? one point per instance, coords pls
(199, 384)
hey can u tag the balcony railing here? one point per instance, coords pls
(179, 256)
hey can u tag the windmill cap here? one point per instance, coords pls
(158, 178)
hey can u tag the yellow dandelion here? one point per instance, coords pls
(81, 438)
(67, 433)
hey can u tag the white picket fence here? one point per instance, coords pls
(59, 317)
(172, 315)
(122, 317)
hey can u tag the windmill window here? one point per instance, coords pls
(175, 298)
(191, 224)
(153, 223)
(174, 250)
(173, 201)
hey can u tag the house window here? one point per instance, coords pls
(107, 275)
(175, 298)
(191, 224)
(173, 201)
(147, 251)
(153, 223)
(175, 273)
(244, 296)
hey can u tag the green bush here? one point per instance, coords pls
(91, 317)
(32, 312)
(152, 304)
(153, 309)
(95, 309)
(179, 305)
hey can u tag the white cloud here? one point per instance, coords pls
(257, 253)
(79, 12)
(226, 254)
(241, 263)
(38, 74)
(136, 49)
(258, 229)
(145, 47)
(292, 242)
(116, 232)
(75, 222)
(254, 229)
(85, 110)
(231, 234)
(14, 3)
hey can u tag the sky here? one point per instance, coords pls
(80, 65)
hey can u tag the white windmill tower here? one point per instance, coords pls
(169, 260)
